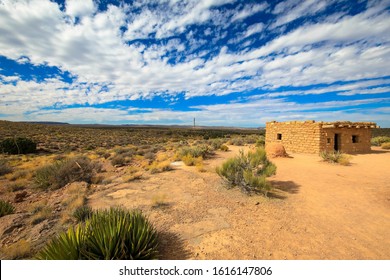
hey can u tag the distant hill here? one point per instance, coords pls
(49, 123)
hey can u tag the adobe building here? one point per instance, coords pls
(314, 137)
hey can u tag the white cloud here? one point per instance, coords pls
(249, 10)
(95, 51)
(77, 8)
(291, 10)
(254, 29)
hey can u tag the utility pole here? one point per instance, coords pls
(194, 122)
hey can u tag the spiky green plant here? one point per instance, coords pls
(248, 171)
(116, 234)
(6, 208)
(112, 234)
(66, 246)
(82, 213)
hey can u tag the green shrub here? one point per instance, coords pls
(113, 234)
(260, 141)
(82, 213)
(335, 157)
(379, 140)
(215, 144)
(6, 208)
(248, 171)
(65, 171)
(17, 146)
(386, 146)
(4, 167)
(203, 151)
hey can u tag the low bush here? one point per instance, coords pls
(4, 167)
(6, 208)
(120, 160)
(216, 144)
(113, 234)
(203, 151)
(335, 157)
(379, 140)
(16, 146)
(248, 171)
(65, 171)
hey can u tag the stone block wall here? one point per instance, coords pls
(352, 140)
(314, 137)
(295, 136)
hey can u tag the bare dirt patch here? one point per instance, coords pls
(317, 211)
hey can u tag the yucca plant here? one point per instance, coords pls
(6, 208)
(66, 246)
(112, 234)
(116, 234)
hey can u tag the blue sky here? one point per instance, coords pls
(223, 62)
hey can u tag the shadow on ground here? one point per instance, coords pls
(172, 246)
(282, 188)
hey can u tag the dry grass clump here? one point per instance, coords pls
(275, 150)
(336, 157)
(6, 208)
(18, 250)
(4, 167)
(386, 146)
(157, 167)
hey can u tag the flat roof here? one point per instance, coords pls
(336, 124)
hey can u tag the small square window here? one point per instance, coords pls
(355, 139)
(328, 140)
(279, 136)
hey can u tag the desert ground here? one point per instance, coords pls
(316, 210)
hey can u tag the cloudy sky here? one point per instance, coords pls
(223, 62)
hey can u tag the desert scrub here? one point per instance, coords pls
(189, 160)
(16, 146)
(60, 173)
(203, 151)
(6, 208)
(4, 167)
(157, 167)
(336, 157)
(113, 234)
(379, 140)
(248, 171)
(386, 146)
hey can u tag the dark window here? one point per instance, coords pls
(328, 140)
(355, 139)
(279, 136)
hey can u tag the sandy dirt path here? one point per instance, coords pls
(317, 211)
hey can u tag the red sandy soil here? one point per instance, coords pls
(317, 211)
